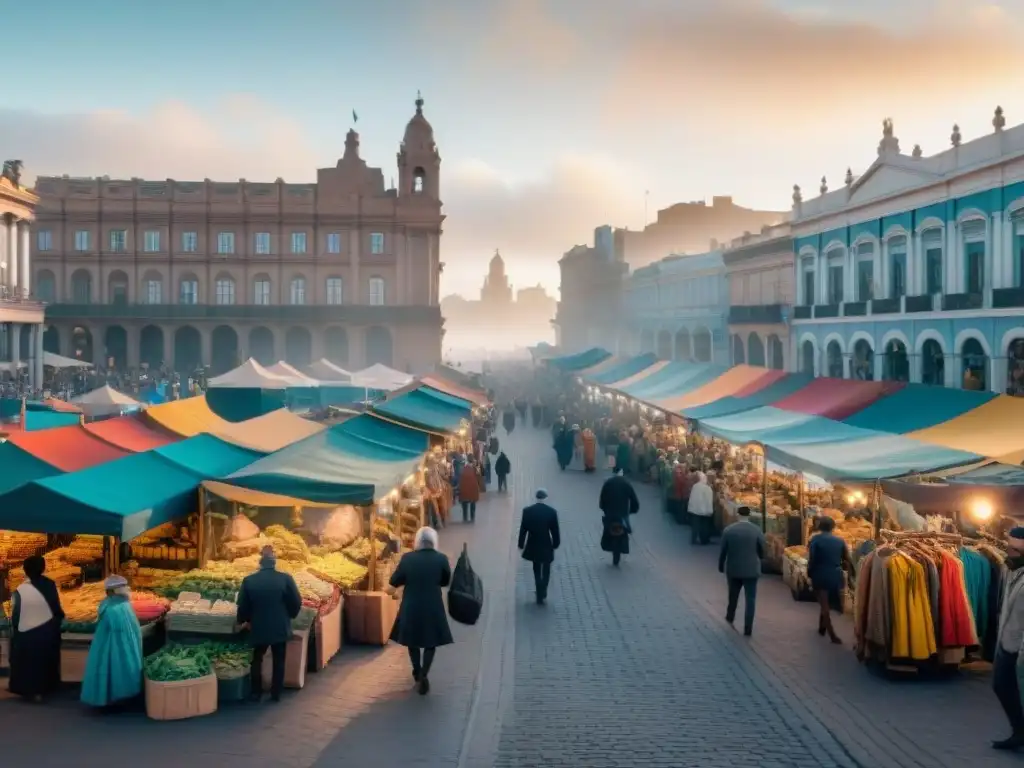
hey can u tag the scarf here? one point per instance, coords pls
(33, 610)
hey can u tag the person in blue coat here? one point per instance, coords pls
(827, 557)
(113, 669)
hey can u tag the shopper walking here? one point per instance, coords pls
(740, 559)
(827, 558)
(502, 468)
(1011, 636)
(469, 491)
(268, 601)
(36, 617)
(701, 507)
(539, 537)
(422, 624)
(618, 502)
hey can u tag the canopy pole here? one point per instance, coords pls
(201, 528)
(876, 512)
(372, 577)
(800, 501)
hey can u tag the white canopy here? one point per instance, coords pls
(105, 401)
(294, 376)
(327, 372)
(379, 376)
(249, 375)
(59, 361)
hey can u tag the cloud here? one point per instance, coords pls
(533, 222)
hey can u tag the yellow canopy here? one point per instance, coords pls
(269, 432)
(992, 430)
(188, 418)
(648, 371)
(258, 498)
(729, 383)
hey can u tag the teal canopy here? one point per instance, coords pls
(355, 462)
(917, 406)
(125, 497)
(36, 420)
(243, 403)
(18, 467)
(726, 406)
(580, 360)
(673, 380)
(624, 370)
(428, 409)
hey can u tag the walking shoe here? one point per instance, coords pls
(424, 686)
(1011, 744)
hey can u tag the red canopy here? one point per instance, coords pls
(66, 448)
(129, 433)
(837, 399)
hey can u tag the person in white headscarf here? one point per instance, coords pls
(701, 508)
(422, 623)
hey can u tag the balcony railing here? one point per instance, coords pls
(886, 306)
(1007, 298)
(826, 310)
(925, 303)
(802, 312)
(952, 302)
(761, 314)
(855, 309)
(357, 314)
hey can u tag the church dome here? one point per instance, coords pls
(497, 264)
(418, 131)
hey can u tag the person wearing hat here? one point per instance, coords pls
(1011, 637)
(113, 669)
(618, 502)
(539, 537)
(268, 601)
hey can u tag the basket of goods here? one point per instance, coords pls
(337, 569)
(180, 683)
(316, 593)
(204, 616)
(794, 573)
(232, 664)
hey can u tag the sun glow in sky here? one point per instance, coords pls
(552, 118)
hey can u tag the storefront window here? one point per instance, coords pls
(975, 366)
(975, 258)
(1015, 368)
(863, 361)
(933, 364)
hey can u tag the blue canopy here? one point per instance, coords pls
(355, 462)
(623, 370)
(917, 406)
(428, 409)
(125, 497)
(672, 380)
(729, 405)
(580, 360)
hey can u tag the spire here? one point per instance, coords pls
(351, 145)
(419, 103)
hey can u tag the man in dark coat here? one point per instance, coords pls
(268, 601)
(618, 501)
(502, 467)
(539, 537)
(422, 624)
(740, 560)
(827, 558)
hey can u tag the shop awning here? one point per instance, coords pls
(382, 377)
(729, 383)
(672, 380)
(292, 375)
(208, 456)
(455, 390)
(609, 362)
(581, 360)
(917, 406)
(270, 432)
(249, 375)
(781, 387)
(54, 404)
(129, 433)
(106, 401)
(642, 376)
(754, 424)
(355, 462)
(188, 417)
(428, 409)
(66, 448)
(325, 371)
(837, 398)
(992, 430)
(43, 420)
(18, 467)
(627, 369)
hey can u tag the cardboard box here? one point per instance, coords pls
(369, 617)
(295, 659)
(328, 636)
(72, 663)
(181, 699)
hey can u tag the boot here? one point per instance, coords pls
(1012, 744)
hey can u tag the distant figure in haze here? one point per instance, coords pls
(469, 491)
(508, 418)
(701, 507)
(539, 537)
(618, 501)
(740, 560)
(502, 467)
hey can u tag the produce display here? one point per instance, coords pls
(174, 663)
(337, 569)
(287, 545)
(83, 550)
(314, 591)
(359, 550)
(17, 546)
(304, 620)
(218, 581)
(81, 607)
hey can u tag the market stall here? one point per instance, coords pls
(106, 401)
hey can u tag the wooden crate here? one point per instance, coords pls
(181, 699)
(369, 617)
(72, 662)
(295, 660)
(328, 636)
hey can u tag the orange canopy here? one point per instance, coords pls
(741, 377)
(648, 371)
(450, 388)
(609, 362)
(991, 430)
(188, 418)
(66, 448)
(129, 433)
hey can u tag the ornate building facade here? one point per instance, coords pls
(589, 310)
(190, 273)
(21, 317)
(914, 270)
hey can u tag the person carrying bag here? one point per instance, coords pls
(466, 593)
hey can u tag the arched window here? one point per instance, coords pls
(225, 288)
(863, 361)
(81, 287)
(834, 360)
(807, 357)
(933, 364)
(261, 290)
(377, 296)
(419, 177)
(298, 292)
(896, 365)
(975, 365)
(153, 288)
(1015, 368)
(188, 290)
(335, 291)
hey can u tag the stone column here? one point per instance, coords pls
(25, 268)
(40, 330)
(15, 340)
(12, 256)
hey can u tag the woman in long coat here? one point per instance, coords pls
(35, 641)
(113, 669)
(422, 624)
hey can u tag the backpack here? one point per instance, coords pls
(466, 592)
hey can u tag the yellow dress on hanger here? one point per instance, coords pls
(913, 633)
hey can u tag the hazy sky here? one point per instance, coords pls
(551, 117)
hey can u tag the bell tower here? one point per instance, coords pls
(419, 164)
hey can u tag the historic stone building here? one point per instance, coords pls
(189, 273)
(21, 317)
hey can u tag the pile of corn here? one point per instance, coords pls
(18, 546)
(287, 545)
(147, 578)
(337, 569)
(83, 550)
(359, 550)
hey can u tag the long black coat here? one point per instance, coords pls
(539, 536)
(422, 621)
(268, 601)
(618, 501)
(502, 466)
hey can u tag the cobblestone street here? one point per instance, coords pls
(623, 667)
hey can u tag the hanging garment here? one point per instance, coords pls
(955, 618)
(878, 624)
(977, 576)
(913, 634)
